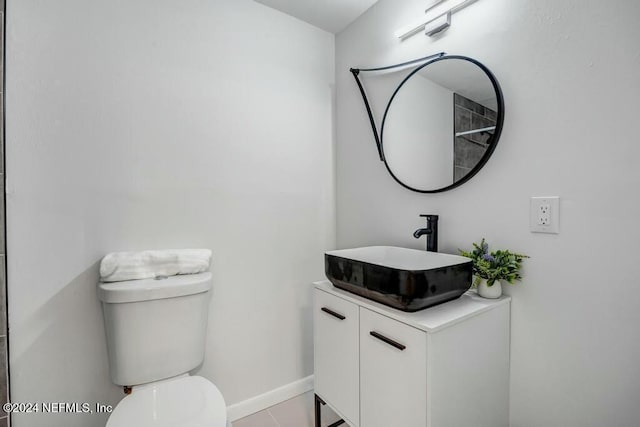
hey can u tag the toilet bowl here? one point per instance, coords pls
(187, 401)
(156, 333)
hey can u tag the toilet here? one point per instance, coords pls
(156, 332)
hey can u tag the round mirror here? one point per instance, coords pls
(442, 124)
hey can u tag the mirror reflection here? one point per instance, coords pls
(441, 124)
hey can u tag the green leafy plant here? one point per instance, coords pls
(497, 265)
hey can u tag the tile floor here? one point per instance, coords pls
(296, 412)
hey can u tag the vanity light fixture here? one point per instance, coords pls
(437, 18)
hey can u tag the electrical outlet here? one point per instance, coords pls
(544, 215)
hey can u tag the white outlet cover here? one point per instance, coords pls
(544, 215)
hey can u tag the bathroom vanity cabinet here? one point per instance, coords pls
(445, 366)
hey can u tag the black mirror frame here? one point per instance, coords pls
(430, 60)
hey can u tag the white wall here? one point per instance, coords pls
(569, 71)
(164, 124)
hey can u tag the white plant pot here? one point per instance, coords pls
(492, 292)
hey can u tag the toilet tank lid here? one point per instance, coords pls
(152, 289)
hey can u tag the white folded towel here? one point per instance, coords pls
(120, 266)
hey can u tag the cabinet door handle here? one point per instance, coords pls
(333, 313)
(387, 340)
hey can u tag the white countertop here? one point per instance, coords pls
(431, 319)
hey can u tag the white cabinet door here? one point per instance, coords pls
(335, 324)
(393, 373)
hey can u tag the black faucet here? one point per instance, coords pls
(431, 231)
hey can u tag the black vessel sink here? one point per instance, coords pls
(406, 279)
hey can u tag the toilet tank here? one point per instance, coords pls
(155, 328)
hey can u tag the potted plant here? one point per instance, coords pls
(492, 268)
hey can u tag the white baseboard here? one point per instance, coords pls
(268, 399)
